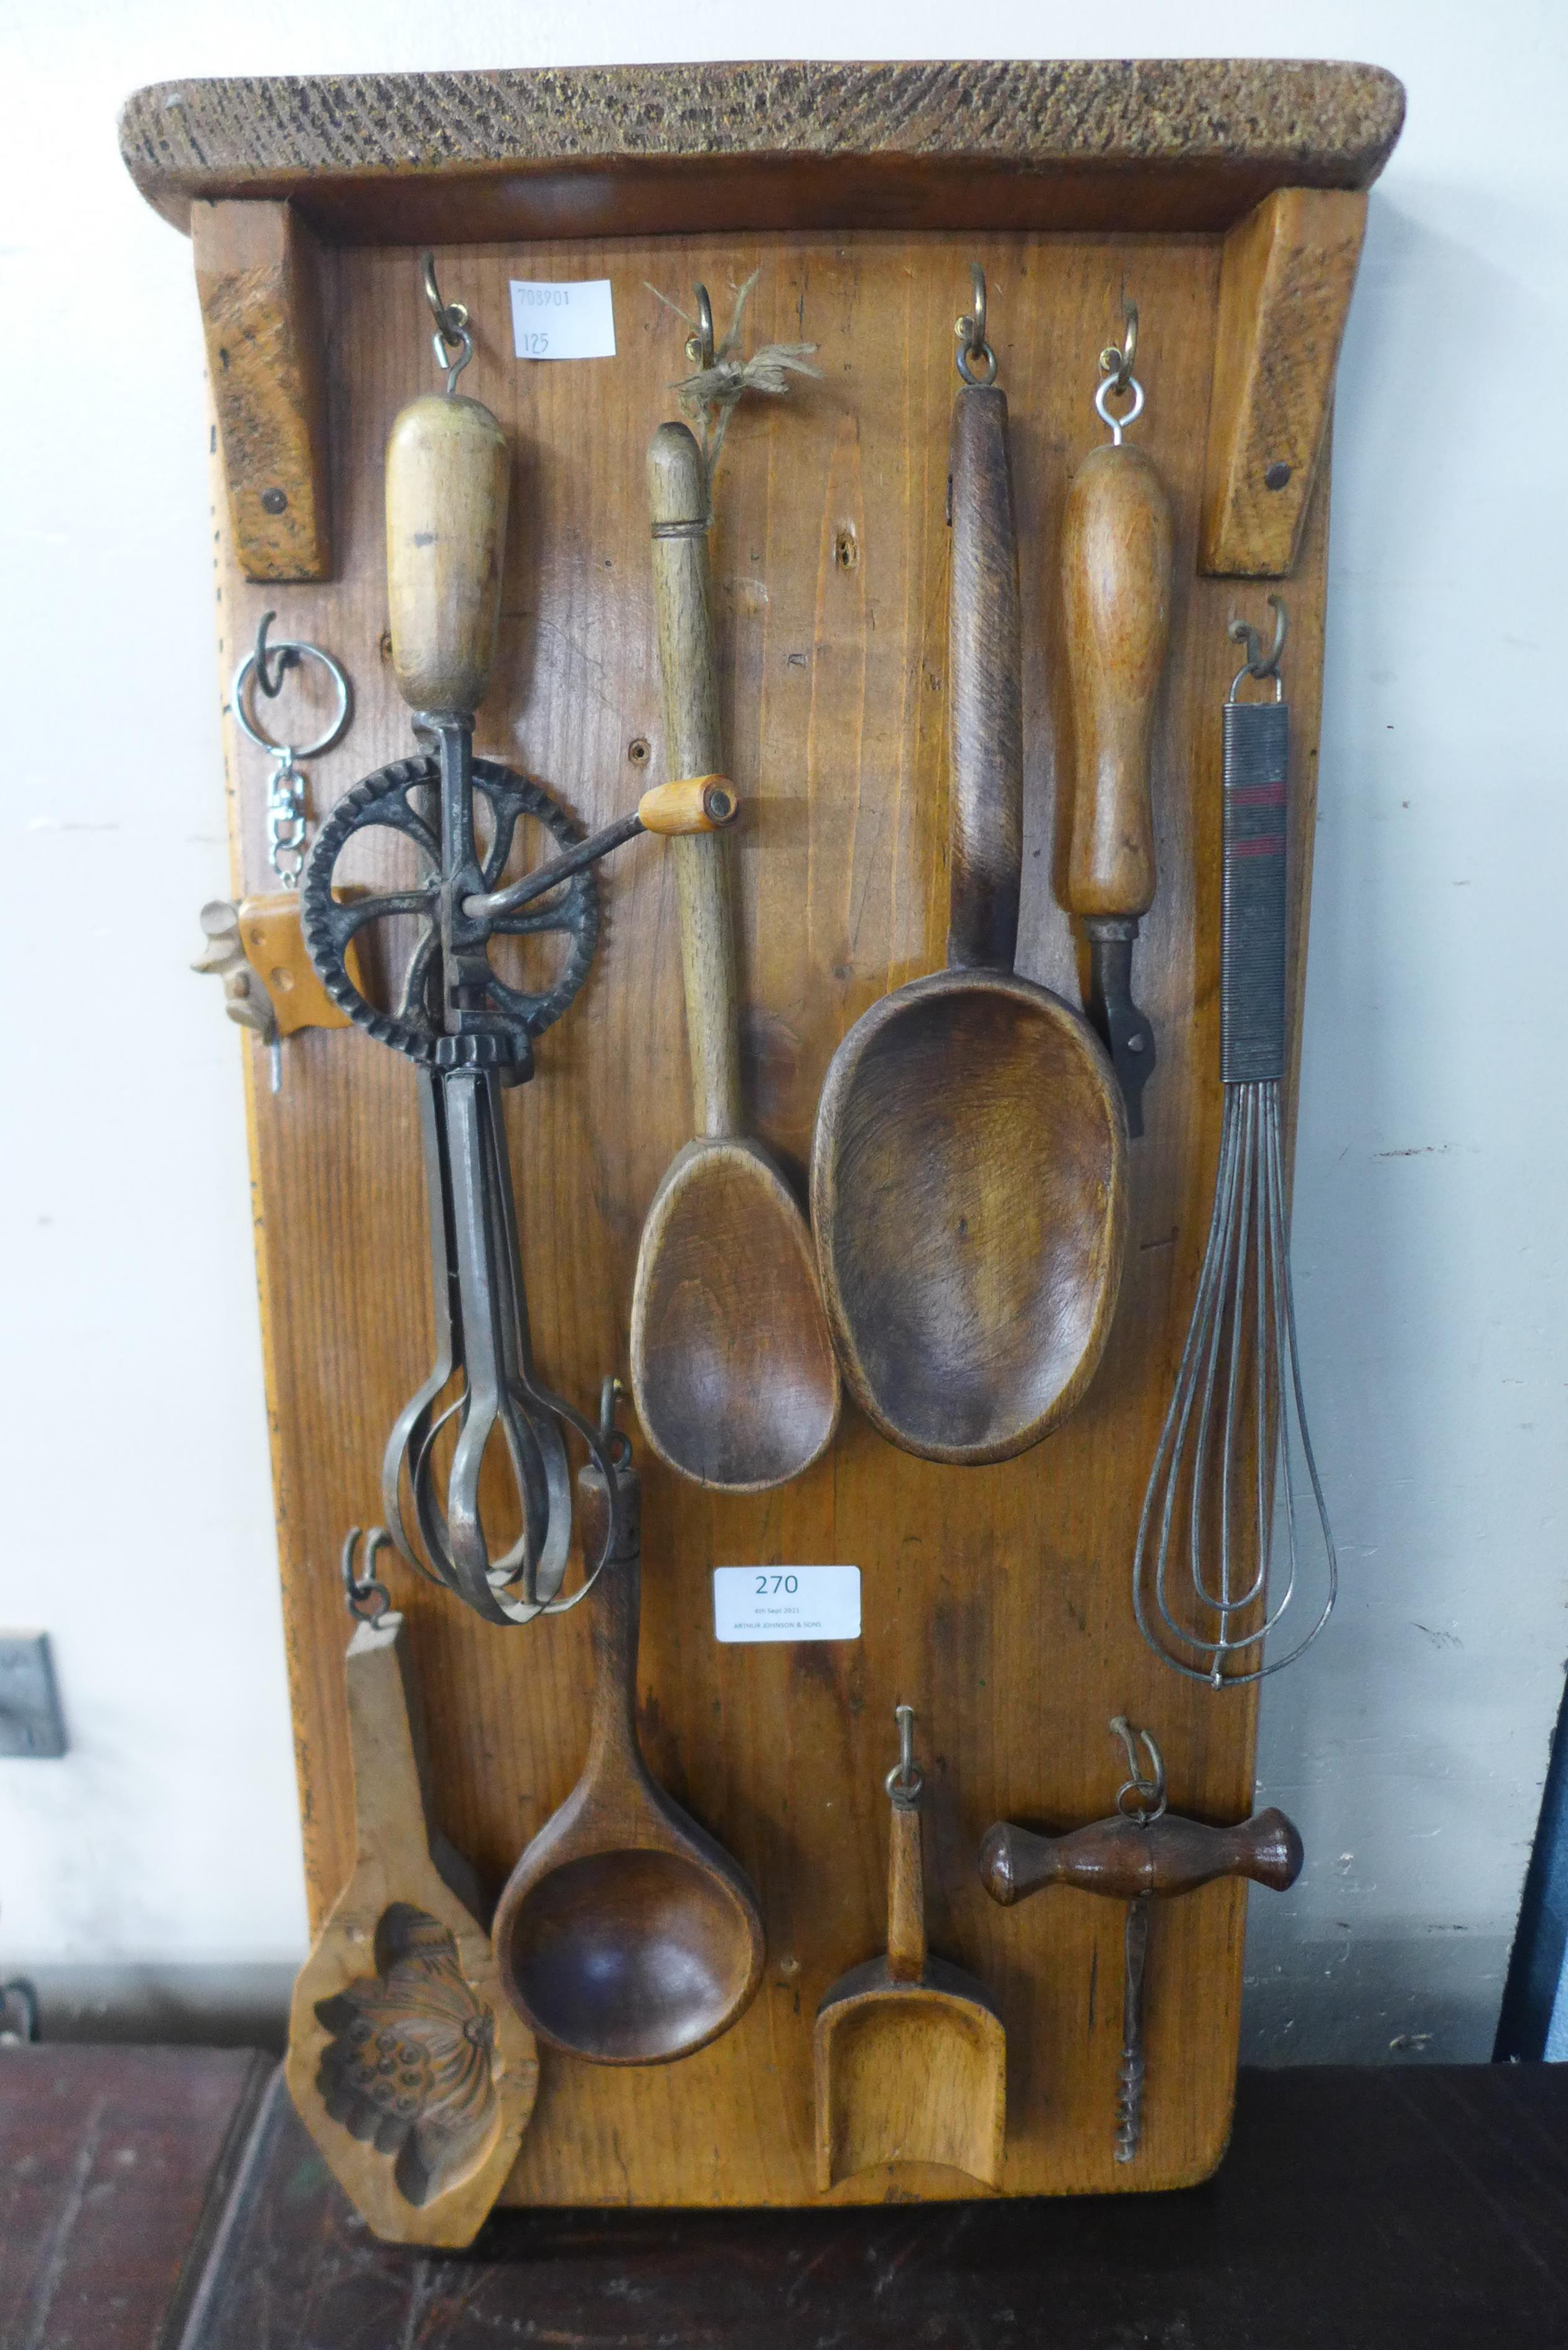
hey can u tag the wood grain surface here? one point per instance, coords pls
(731, 1363)
(624, 1934)
(910, 2056)
(405, 2063)
(1285, 285)
(258, 278)
(603, 150)
(1115, 594)
(995, 1599)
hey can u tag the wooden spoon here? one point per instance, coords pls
(910, 2056)
(626, 1934)
(731, 1363)
(968, 1178)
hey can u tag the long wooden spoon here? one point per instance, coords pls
(732, 1365)
(626, 1933)
(968, 1176)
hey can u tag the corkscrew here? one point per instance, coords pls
(1141, 1854)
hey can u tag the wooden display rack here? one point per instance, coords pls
(1227, 200)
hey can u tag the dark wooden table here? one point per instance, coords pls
(168, 2199)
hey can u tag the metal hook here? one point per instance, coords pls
(1149, 1791)
(368, 1597)
(287, 657)
(906, 1778)
(1116, 360)
(1117, 380)
(1257, 665)
(972, 346)
(699, 343)
(616, 1440)
(452, 328)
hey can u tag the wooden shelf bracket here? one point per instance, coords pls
(257, 278)
(1285, 284)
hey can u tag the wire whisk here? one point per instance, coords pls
(1234, 1464)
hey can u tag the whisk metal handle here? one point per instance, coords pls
(1252, 937)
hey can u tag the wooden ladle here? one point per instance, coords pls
(967, 1179)
(732, 1365)
(626, 1934)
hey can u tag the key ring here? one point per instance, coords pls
(285, 817)
(248, 667)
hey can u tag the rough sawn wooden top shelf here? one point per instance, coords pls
(605, 150)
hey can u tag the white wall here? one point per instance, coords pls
(1411, 1743)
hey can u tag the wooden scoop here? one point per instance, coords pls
(968, 1183)
(626, 1934)
(911, 2055)
(732, 1365)
(406, 2065)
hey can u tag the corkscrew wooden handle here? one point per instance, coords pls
(448, 473)
(1115, 576)
(1122, 1860)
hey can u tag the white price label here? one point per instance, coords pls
(563, 322)
(787, 1603)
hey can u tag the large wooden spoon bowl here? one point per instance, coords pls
(732, 1363)
(968, 1176)
(969, 1195)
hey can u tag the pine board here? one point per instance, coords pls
(996, 1599)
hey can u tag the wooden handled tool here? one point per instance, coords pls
(968, 1174)
(1117, 536)
(1125, 1860)
(468, 1029)
(626, 1934)
(1141, 1854)
(732, 1365)
(448, 473)
(409, 2069)
(909, 2052)
(985, 710)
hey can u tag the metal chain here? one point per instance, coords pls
(285, 821)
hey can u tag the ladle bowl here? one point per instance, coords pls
(626, 1934)
(631, 1957)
